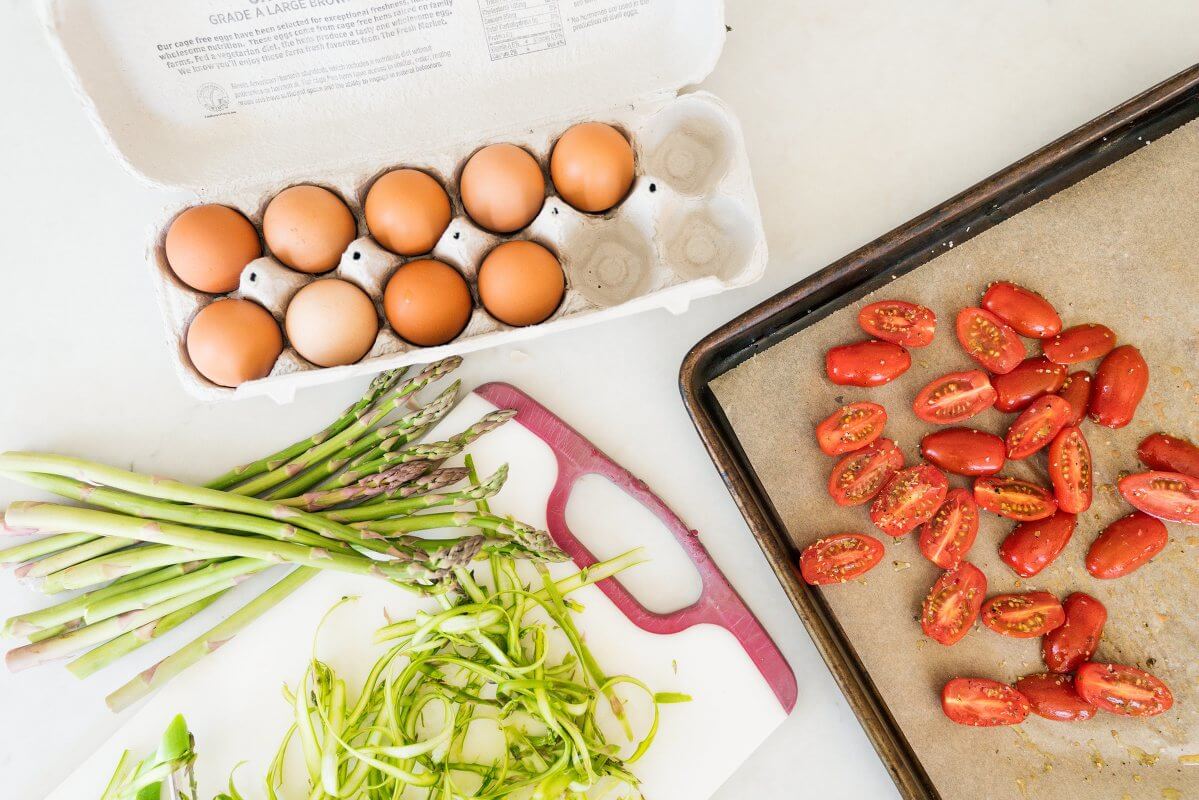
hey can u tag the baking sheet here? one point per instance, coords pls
(1117, 248)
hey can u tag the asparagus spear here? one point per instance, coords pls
(235, 570)
(381, 384)
(106, 568)
(43, 547)
(373, 486)
(410, 505)
(436, 452)
(99, 546)
(535, 541)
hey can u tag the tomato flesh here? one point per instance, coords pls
(1119, 689)
(964, 451)
(1120, 383)
(1071, 644)
(954, 397)
(859, 476)
(1053, 697)
(1170, 496)
(903, 323)
(1024, 310)
(1077, 392)
(1013, 498)
(1164, 453)
(1126, 545)
(989, 341)
(948, 536)
(1036, 426)
(839, 558)
(1034, 545)
(909, 499)
(1025, 615)
(851, 427)
(1070, 470)
(983, 703)
(953, 603)
(870, 363)
(1080, 343)
(1031, 378)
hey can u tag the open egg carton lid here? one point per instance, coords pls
(234, 100)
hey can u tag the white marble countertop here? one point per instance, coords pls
(858, 116)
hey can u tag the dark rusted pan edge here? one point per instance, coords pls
(1056, 166)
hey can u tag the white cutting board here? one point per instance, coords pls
(234, 706)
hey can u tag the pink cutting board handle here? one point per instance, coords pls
(718, 603)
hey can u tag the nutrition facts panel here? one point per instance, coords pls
(517, 27)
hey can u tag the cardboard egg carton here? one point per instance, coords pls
(689, 228)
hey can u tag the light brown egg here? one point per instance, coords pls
(521, 283)
(407, 211)
(427, 302)
(233, 341)
(208, 246)
(308, 228)
(592, 166)
(502, 188)
(331, 322)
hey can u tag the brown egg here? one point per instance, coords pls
(207, 247)
(331, 322)
(427, 302)
(502, 188)
(233, 341)
(407, 211)
(592, 166)
(521, 283)
(308, 228)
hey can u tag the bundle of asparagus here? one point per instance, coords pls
(151, 553)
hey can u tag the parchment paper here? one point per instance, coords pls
(1121, 248)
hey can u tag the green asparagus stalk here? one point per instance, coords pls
(382, 383)
(116, 565)
(235, 570)
(162, 672)
(43, 547)
(35, 622)
(366, 488)
(49, 516)
(99, 546)
(535, 541)
(320, 468)
(100, 657)
(432, 453)
(424, 500)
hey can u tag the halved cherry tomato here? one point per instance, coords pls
(1026, 615)
(964, 451)
(1120, 383)
(1165, 453)
(954, 397)
(989, 341)
(983, 703)
(1070, 470)
(952, 604)
(1013, 498)
(851, 427)
(839, 558)
(859, 476)
(909, 499)
(1166, 495)
(1034, 545)
(948, 536)
(1031, 378)
(1080, 343)
(895, 321)
(1126, 545)
(1119, 689)
(1036, 426)
(1053, 697)
(869, 363)
(1027, 312)
(1071, 644)
(1077, 392)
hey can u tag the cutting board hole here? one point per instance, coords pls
(608, 522)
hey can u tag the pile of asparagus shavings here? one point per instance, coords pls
(150, 553)
(487, 658)
(165, 774)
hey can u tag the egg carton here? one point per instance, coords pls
(690, 226)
